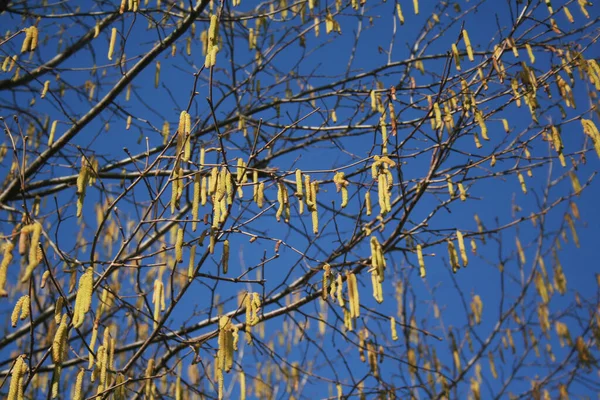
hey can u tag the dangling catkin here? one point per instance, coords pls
(6, 260)
(468, 45)
(15, 391)
(196, 200)
(36, 229)
(111, 44)
(22, 307)
(77, 390)
(158, 299)
(339, 285)
(179, 245)
(83, 299)
(393, 327)
(326, 277)
(461, 247)
(421, 262)
(225, 260)
(60, 339)
(353, 295)
(299, 192)
(453, 256)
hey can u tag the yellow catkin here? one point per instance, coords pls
(368, 206)
(399, 13)
(83, 299)
(58, 309)
(175, 184)
(21, 307)
(575, 182)
(468, 45)
(149, 380)
(481, 122)
(188, 143)
(299, 191)
(353, 295)
(450, 185)
(462, 191)
(377, 288)
(77, 390)
(315, 221)
(111, 44)
(522, 182)
(393, 328)
(437, 115)
(462, 248)
(326, 278)
(179, 245)
(7, 257)
(192, 264)
(34, 260)
(45, 89)
(452, 254)
(158, 299)
(416, 6)
(26, 41)
(196, 200)
(240, 176)
(520, 251)
(242, 380)
(280, 200)
(506, 126)
(477, 309)
(59, 342)
(157, 75)
(212, 48)
(421, 262)
(590, 129)
(339, 291)
(15, 391)
(456, 55)
(34, 37)
(225, 260)
(181, 130)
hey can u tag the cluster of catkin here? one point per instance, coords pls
(29, 241)
(228, 342)
(341, 185)
(129, 5)
(212, 47)
(377, 269)
(252, 304)
(334, 287)
(183, 153)
(104, 361)
(19, 369)
(220, 188)
(374, 355)
(380, 171)
(31, 39)
(311, 189)
(453, 254)
(590, 129)
(22, 306)
(87, 177)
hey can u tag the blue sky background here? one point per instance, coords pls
(326, 59)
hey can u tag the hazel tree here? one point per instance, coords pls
(294, 199)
